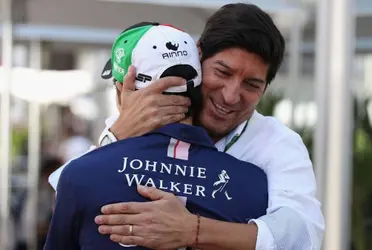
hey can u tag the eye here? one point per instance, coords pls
(185, 42)
(252, 85)
(154, 47)
(125, 41)
(222, 73)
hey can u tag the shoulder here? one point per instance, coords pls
(266, 139)
(278, 135)
(93, 162)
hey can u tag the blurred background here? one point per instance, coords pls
(54, 103)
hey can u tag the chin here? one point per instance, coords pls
(214, 128)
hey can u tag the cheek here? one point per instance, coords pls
(251, 99)
(210, 81)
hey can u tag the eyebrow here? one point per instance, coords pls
(249, 79)
(223, 64)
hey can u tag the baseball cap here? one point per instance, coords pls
(156, 51)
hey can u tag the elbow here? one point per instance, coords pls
(291, 230)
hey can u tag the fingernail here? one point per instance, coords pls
(104, 209)
(114, 238)
(97, 220)
(102, 229)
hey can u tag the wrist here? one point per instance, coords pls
(191, 230)
(119, 132)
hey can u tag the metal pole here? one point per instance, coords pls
(33, 154)
(7, 46)
(340, 144)
(321, 93)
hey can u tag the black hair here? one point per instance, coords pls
(244, 26)
(196, 99)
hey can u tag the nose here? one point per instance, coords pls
(231, 92)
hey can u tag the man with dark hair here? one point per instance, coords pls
(257, 34)
(178, 157)
(241, 50)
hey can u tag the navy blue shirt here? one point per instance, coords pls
(177, 158)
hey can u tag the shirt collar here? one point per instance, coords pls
(220, 145)
(186, 133)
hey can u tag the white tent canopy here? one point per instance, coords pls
(48, 86)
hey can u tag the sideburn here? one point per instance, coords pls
(118, 86)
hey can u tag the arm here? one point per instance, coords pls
(64, 228)
(169, 225)
(294, 219)
(218, 235)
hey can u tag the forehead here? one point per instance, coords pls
(240, 60)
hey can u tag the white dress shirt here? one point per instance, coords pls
(294, 219)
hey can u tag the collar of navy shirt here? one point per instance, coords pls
(186, 133)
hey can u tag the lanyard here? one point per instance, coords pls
(235, 138)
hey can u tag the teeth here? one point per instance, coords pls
(222, 109)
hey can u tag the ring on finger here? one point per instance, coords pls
(130, 229)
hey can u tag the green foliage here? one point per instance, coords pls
(268, 103)
(19, 138)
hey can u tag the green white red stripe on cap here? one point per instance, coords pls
(155, 51)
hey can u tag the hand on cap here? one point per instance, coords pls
(144, 110)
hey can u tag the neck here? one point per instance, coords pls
(187, 121)
(215, 139)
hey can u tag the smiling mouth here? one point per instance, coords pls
(221, 110)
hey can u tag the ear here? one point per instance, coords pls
(199, 49)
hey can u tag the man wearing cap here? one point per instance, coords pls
(178, 158)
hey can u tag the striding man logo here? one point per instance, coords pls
(221, 185)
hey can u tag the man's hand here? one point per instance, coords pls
(144, 110)
(163, 223)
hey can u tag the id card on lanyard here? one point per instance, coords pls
(235, 138)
